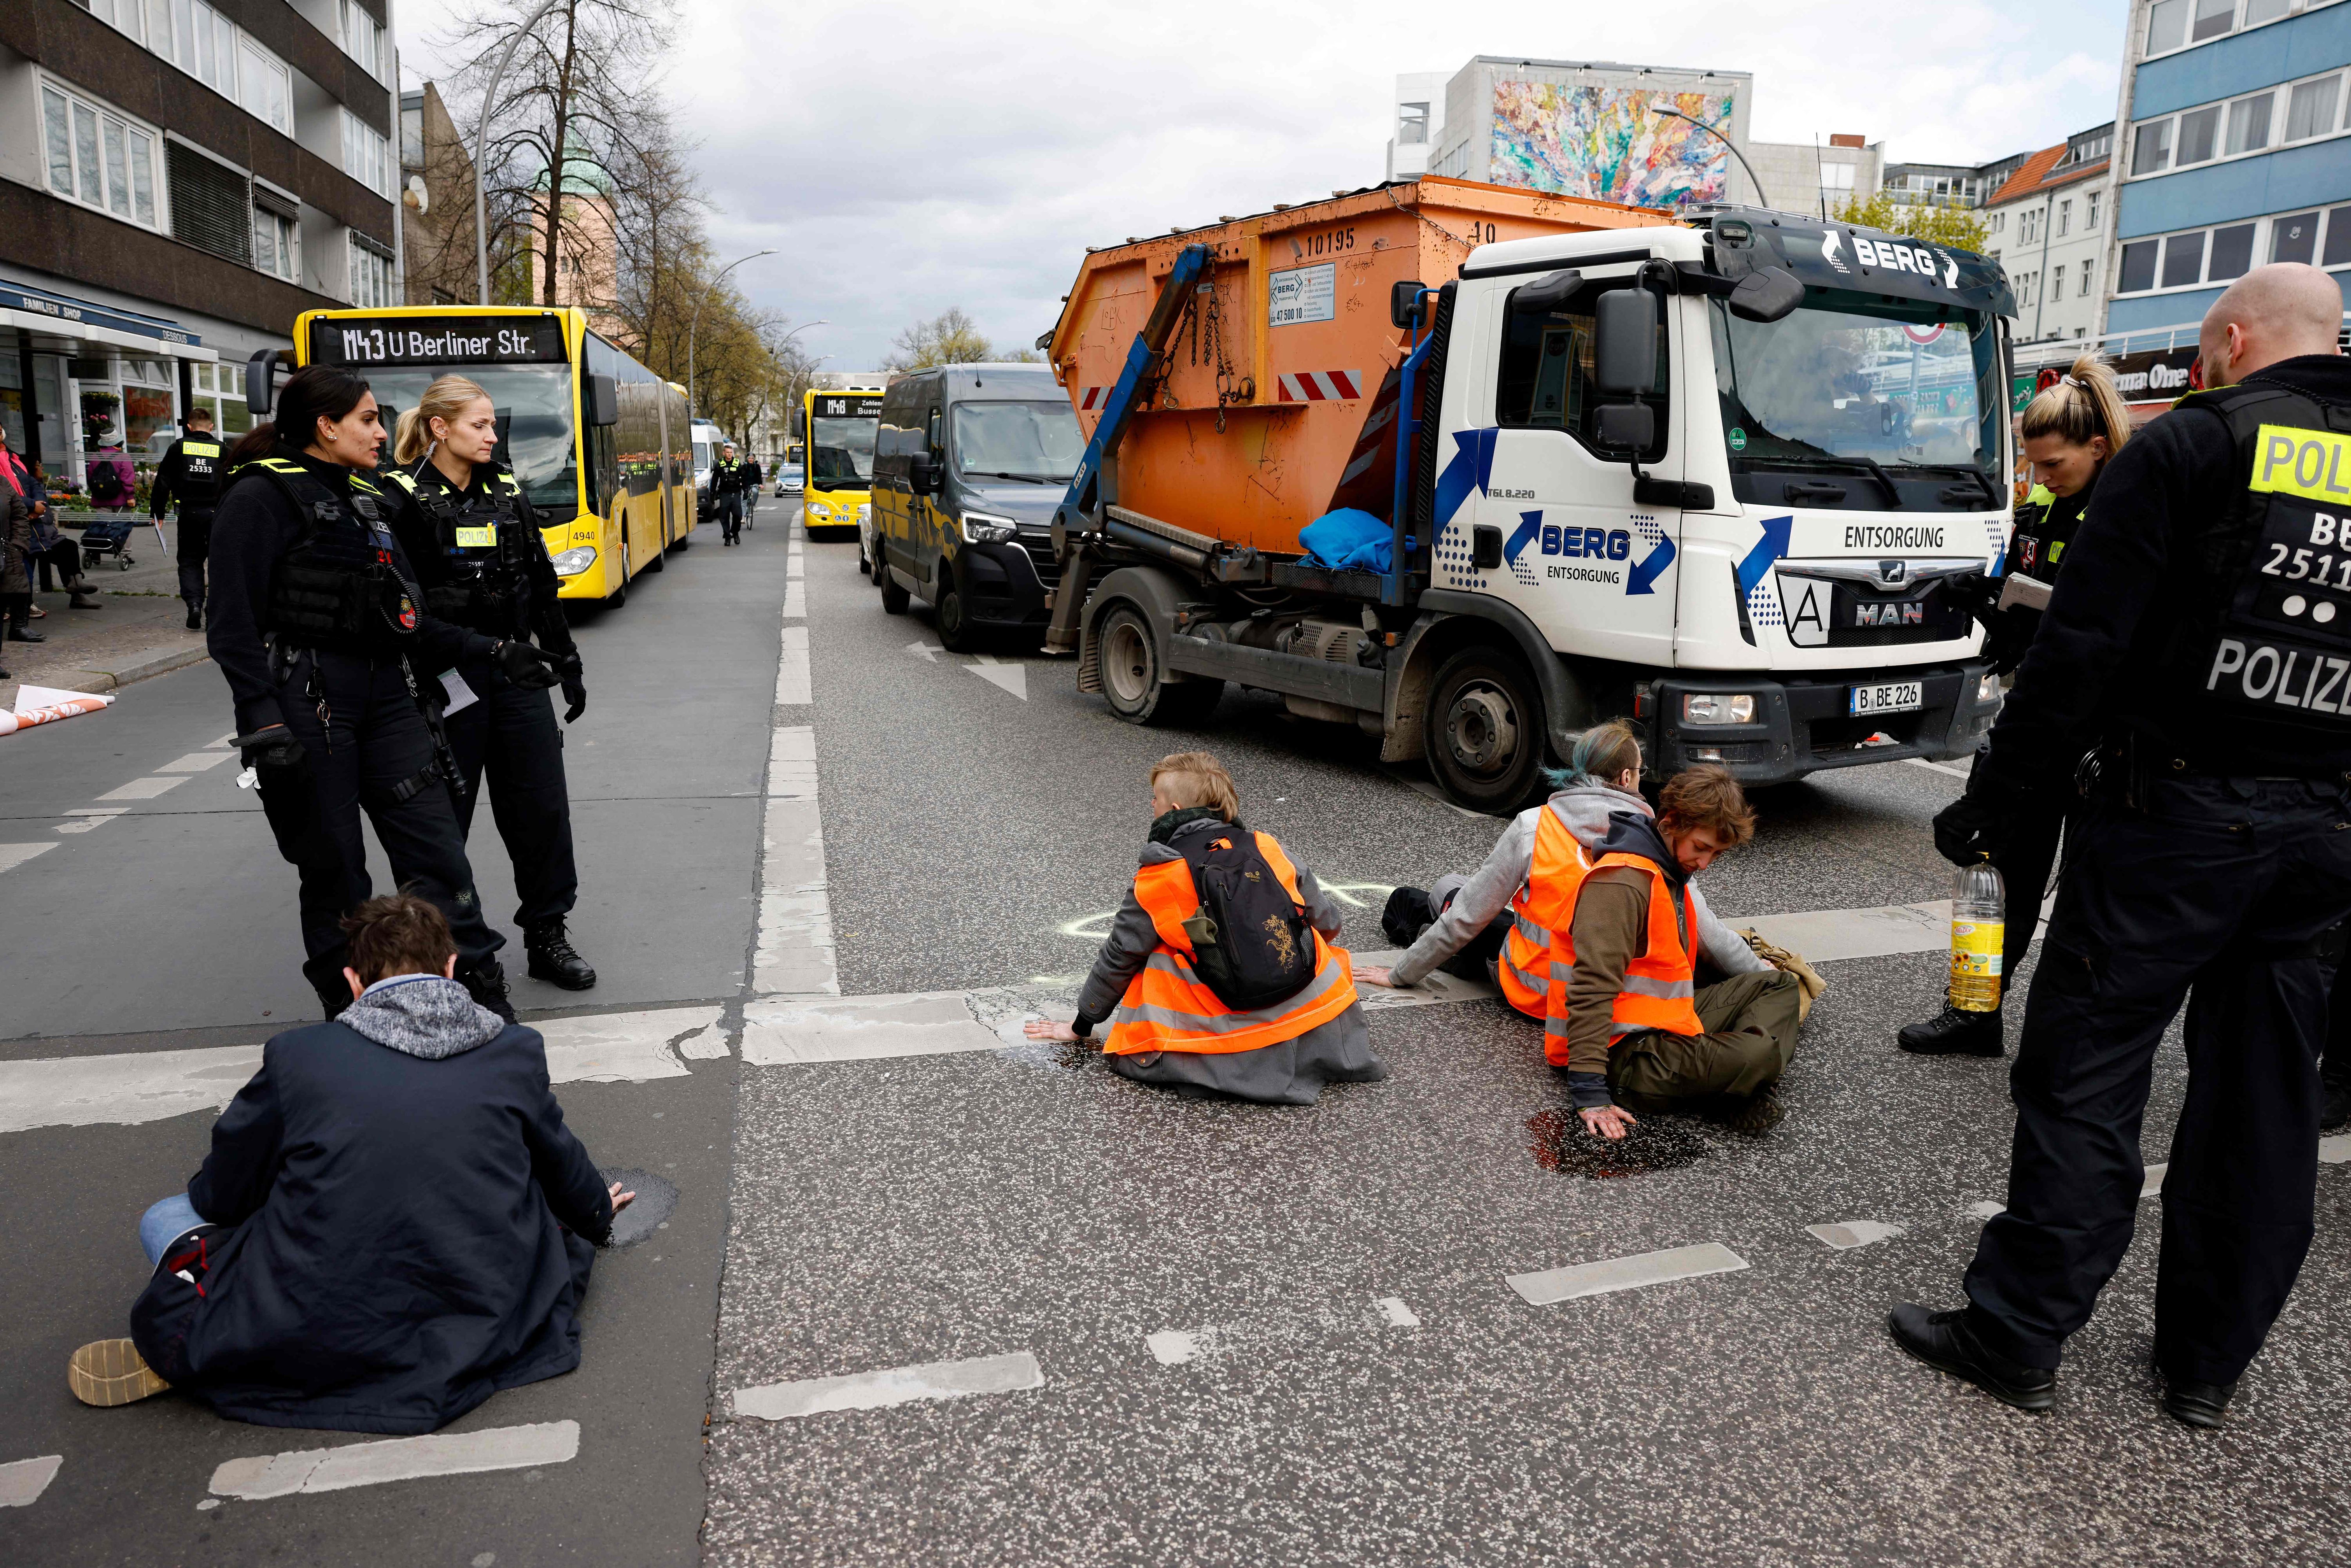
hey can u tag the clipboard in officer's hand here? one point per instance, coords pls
(2029, 592)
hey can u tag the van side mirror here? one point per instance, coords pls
(1406, 306)
(922, 475)
(1767, 294)
(1546, 294)
(1625, 342)
(603, 400)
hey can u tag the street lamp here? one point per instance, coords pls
(482, 147)
(1726, 141)
(695, 325)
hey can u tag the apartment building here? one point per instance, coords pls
(178, 180)
(2235, 151)
(438, 263)
(1417, 121)
(2047, 225)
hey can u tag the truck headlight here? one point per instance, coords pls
(1987, 689)
(1718, 707)
(575, 561)
(986, 529)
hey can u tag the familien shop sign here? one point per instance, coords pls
(438, 340)
(68, 311)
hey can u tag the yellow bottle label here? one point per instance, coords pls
(1975, 963)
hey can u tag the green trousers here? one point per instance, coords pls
(1751, 1033)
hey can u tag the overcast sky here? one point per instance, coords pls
(904, 157)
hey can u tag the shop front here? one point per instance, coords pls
(96, 392)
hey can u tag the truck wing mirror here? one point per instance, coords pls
(1766, 294)
(260, 382)
(1545, 294)
(603, 401)
(1623, 342)
(1627, 426)
(1404, 304)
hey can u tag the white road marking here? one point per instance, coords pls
(2153, 1183)
(786, 1031)
(1609, 1274)
(88, 817)
(14, 855)
(791, 763)
(795, 600)
(898, 1385)
(194, 762)
(1987, 1209)
(1397, 1314)
(794, 566)
(23, 1483)
(2334, 1151)
(1938, 767)
(1855, 1233)
(794, 954)
(927, 651)
(620, 1048)
(792, 685)
(1013, 678)
(396, 1460)
(145, 788)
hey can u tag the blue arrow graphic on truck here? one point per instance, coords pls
(1769, 549)
(1472, 465)
(1529, 525)
(1644, 575)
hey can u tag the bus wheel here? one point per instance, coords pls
(1484, 729)
(1134, 680)
(620, 596)
(660, 561)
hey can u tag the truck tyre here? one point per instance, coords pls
(1485, 729)
(1134, 677)
(894, 598)
(956, 634)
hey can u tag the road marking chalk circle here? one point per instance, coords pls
(267, 1476)
(1612, 1274)
(897, 1386)
(23, 1483)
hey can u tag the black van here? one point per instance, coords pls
(968, 465)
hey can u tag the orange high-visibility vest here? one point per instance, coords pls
(1660, 985)
(1524, 967)
(1167, 1006)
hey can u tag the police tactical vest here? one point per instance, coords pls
(339, 585)
(480, 539)
(200, 471)
(2263, 650)
(2034, 549)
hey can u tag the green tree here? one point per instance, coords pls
(1961, 228)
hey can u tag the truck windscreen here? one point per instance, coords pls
(1855, 383)
(843, 449)
(534, 410)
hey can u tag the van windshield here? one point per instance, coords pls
(1039, 442)
(1851, 382)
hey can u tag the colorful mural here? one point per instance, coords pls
(1604, 142)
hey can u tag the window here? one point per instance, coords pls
(2028, 228)
(2213, 19)
(2057, 281)
(2218, 255)
(363, 39)
(95, 157)
(1837, 182)
(2167, 25)
(2151, 147)
(1412, 121)
(2232, 252)
(277, 234)
(2248, 124)
(370, 274)
(2090, 216)
(2199, 136)
(2065, 217)
(2089, 272)
(2237, 129)
(208, 46)
(2259, 11)
(2139, 266)
(2294, 237)
(2183, 259)
(1546, 373)
(210, 205)
(367, 155)
(2310, 108)
(2338, 239)
(265, 86)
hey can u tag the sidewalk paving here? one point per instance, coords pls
(141, 632)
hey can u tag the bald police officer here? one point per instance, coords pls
(2202, 630)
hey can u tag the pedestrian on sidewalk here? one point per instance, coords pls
(15, 573)
(393, 1223)
(1191, 1005)
(51, 551)
(191, 473)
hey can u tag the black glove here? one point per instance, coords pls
(271, 746)
(575, 690)
(530, 668)
(1968, 829)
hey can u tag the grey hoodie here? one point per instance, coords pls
(422, 1016)
(1584, 808)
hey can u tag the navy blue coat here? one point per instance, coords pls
(401, 1238)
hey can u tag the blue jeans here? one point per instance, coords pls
(166, 1223)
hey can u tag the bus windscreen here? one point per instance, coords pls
(534, 407)
(843, 449)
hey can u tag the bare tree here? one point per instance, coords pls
(948, 337)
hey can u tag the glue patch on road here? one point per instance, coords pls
(1853, 1233)
(898, 1385)
(1634, 1273)
(396, 1460)
(788, 1031)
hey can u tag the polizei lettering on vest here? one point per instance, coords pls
(2285, 677)
(2308, 462)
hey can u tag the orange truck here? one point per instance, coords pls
(1472, 467)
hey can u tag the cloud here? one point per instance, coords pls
(906, 157)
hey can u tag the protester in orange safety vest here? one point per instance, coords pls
(1219, 972)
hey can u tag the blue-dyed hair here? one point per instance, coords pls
(1599, 754)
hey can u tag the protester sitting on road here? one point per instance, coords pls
(393, 1223)
(1191, 1003)
(1461, 923)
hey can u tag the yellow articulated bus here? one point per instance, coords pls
(839, 488)
(582, 424)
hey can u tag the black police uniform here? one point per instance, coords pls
(483, 564)
(2202, 625)
(191, 473)
(727, 496)
(316, 625)
(2045, 526)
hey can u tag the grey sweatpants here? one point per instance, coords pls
(1751, 1033)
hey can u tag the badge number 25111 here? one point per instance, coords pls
(1896, 696)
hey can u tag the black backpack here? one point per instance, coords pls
(1251, 944)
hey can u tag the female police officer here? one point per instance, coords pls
(474, 541)
(316, 624)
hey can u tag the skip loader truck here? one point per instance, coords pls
(1723, 475)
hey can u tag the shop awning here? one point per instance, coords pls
(63, 316)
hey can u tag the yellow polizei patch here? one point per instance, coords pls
(477, 539)
(2315, 464)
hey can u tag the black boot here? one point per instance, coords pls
(554, 959)
(325, 974)
(1952, 1032)
(195, 619)
(1944, 1341)
(486, 984)
(16, 633)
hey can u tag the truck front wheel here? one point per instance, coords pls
(1485, 729)
(1134, 676)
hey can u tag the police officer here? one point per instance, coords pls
(190, 472)
(315, 623)
(2202, 626)
(2070, 429)
(479, 556)
(726, 493)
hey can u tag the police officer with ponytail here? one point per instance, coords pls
(2200, 632)
(2070, 430)
(474, 541)
(316, 623)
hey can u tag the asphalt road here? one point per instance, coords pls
(1250, 1334)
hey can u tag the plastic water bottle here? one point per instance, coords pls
(1978, 930)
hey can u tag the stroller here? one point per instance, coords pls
(108, 536)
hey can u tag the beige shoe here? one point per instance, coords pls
(111, 1372)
